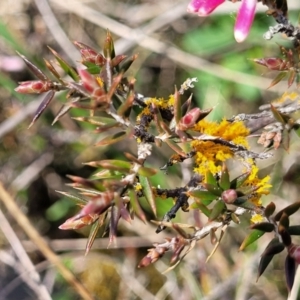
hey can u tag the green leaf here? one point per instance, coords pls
(201, 207)
(65, 66)
(136, 206)
(210, 179)
(251, 238)
(146, 172)
(237, 182)
(92, 68)
(111, 164)
(224, 180)
(217, 210)
(148, 192)
(204, 197)
(216, 190)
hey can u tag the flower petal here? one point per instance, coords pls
(203, 7)
(244, 19)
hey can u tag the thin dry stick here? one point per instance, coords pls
(24, 260)
(33, 234)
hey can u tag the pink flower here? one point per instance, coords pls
(203, 7)
(244, 20)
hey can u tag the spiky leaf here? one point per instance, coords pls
(290, 270)
(289, 210)
(44, 104)
(148, 192)
(251, 238)
(205, 197)
(264, 226)
(65, 66)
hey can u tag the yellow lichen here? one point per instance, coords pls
(209, 155)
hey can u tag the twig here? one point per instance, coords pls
(32, 171)
(58, 34)
(33, 234)
(36, 286)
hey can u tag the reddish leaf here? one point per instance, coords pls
(34, 69)
(42, 107)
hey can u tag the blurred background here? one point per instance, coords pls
(171, 46)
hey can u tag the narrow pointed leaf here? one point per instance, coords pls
(264, 226)
(65, 66)
(111, 164)
(97, 120)
(42, 107)
(108, 48)
(291, 78)
(294, 230)
(274, 249)
(126, 106)
(237, 182)
(214, 189)
(204, 197)
(52, 69)
(93, 233)
(174, 146)
(201, 207)
(64, 109)
(114, 220)
(278, 116)
(92, 68)
(177, 107)
(78, 200)
(210, 179)
(224, 180)
(34, 69)
(109, 140)
(277, 79)
(289, 210)
(217, 210)
(263, 264)
(125, 65)
(136, 206)
(290, 271)
(269, 210)
(251, 238)
(148, 192)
